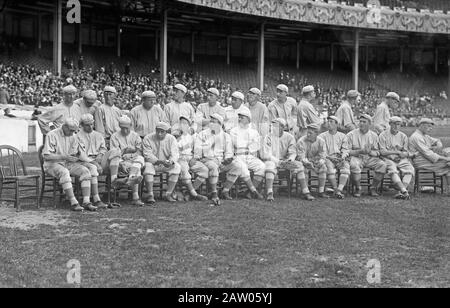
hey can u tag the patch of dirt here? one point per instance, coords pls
(29, 220)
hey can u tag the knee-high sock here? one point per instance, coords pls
(407, 178)
(227, 186)
(135, 190)
(94, 189)
(199, 181)
(257, 180)
(149, 180)
(213, 182)
(86, 191)
(398, 182)
(190, 187)
(322, 182)
(333, 181)
(342, 181)
(270, 178)
(357, 180)
(301, 178)
(249, 184)
(377, 179)
(68, 190)
(171, 187)
(114, 168)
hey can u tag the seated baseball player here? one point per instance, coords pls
(428, 151)
(95, 148)
(246, 144)
(64, 158)
(279, 152)
(394, 148)
(311, 151)
(126, 157)
(187, 162)
(214, 149)
(338, 156)
(161, 155)
(365, 153)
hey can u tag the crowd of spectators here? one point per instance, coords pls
(25, 85)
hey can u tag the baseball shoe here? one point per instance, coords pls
(150, 200)
(270, 197)
(100, 205)
(77, 208)
(308, 197)
(89, 207)
(137, 203)
(226, 195)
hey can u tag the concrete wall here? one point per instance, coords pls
(16, 133)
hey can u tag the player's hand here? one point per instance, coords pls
(373, 153)
(71, 159)
(168, 163)
(404, 154)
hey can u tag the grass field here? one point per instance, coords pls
(290, 243)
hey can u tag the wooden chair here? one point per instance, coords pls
(14, 176)
(284, 176)
(430, 179)
(366, 180)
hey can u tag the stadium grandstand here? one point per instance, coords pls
(402, 46)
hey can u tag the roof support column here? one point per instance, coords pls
(261, 58)
(163, 46)
(57, 37)
(356, 61)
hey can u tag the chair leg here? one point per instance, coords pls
(38, 200)
(41, 195)
(1, 189)
(55, 187)
(17, 201)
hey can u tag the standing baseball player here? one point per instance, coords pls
(231, 112)
(346, 118)
(284, 107)
(145, 116)
(205, 110)
(59, 113)
(107, 115)
(259, 111)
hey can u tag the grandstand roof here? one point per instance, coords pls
(187, 18)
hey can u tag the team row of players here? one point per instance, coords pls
(235, 149)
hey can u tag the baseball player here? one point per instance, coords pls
(246, 144)
(59, 113)
(213, 147)
(311, 151)
(161, 155)
(394, 148)
(145, 116)
(64, 158)
(338, 157)
(365, 152)
(126, 156)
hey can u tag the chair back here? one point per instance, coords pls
(11, 162)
